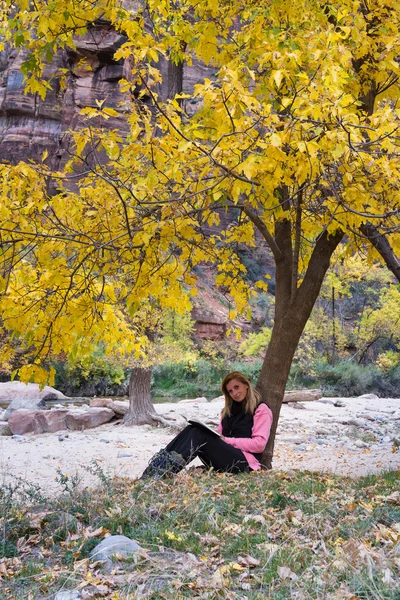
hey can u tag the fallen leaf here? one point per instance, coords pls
(286, 573)
(248, 561)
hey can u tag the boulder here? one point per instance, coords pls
(368, 397)
(11, 390)
(37, 421)
(29, 396)
(79, 419)
(118, 406)
(218, 399)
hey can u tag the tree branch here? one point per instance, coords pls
(381, 244)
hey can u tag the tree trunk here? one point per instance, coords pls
(292, 310)
(141, 410)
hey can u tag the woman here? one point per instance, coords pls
(244, 431)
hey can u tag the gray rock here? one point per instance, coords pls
(339, 404)
(366, 416)
(4, 428)
(297, 405)
(361, 444)
(20, 438)
(326, 401)
(104, 441)
(293, 440)
(71, 595)
(114, 544)
(352, 421)
(322, 431)
(218, 399)
(2, 413)
(368, 397)
(124, 454)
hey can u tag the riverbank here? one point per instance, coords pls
(345, 436)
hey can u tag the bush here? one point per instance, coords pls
(352, 379)
(96, 377)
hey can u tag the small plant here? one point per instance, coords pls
(68, 483)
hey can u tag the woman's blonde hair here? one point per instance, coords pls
(252, 397)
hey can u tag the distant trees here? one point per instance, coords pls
(295, 137)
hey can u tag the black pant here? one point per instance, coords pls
(213, 452)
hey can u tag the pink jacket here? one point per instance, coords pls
(259, 436)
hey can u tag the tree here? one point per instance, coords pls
(295, 138)
(165, 337)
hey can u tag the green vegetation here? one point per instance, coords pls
(345, 378)
(262, 535)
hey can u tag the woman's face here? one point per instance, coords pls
(237, 390)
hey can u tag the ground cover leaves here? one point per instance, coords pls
(271, 535)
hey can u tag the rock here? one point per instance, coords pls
(365, 416)
(124, 454)
(200, 400)
(104, 441)
(80, 419)
(351, 421)
(218, 399)
(322, 431)
(326, 401)
(37, 421)
(292, 440)
(361, 444)
(2, 413)
(71, 595)
(21, 395)
(297, 405)
(368, 397)
(114, 544)
(20, 438)
(339, 404)
(5, 429)
(118, 406)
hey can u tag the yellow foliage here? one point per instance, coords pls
(296, 125)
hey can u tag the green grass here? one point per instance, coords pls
(272, 535)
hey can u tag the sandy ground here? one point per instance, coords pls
(319, 438)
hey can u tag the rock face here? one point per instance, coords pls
(29, 125)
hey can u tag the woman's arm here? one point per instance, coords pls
(259, 434)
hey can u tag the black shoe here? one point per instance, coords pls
(162, 464)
